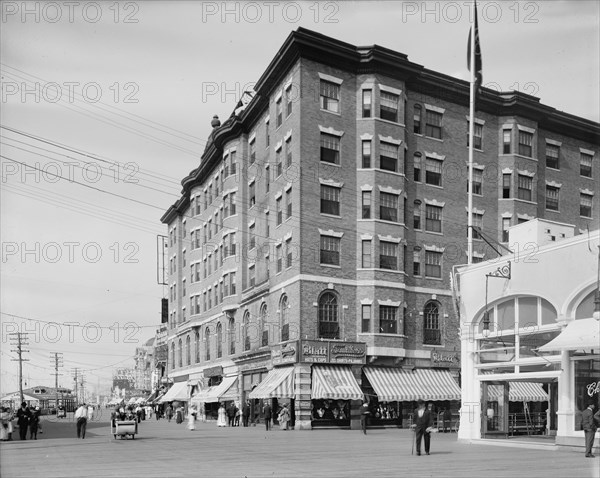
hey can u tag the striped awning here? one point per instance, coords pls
(336, 382)
(178, 391)
(224, 391)
(519, 392)
(393, 384)
(279, 383)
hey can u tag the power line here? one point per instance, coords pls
(19, 339)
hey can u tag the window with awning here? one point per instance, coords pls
(334, 382)
(279, 383)
(224, 391)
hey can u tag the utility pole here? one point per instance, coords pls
(19, 339)
(57, 359)
(76, 380)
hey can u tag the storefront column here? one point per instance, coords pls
(470, 411)
(302, 386)
(565, 413)
(356, 404)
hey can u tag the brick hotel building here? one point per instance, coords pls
(311, 249)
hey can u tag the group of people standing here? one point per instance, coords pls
(233, 414)
(27, 419)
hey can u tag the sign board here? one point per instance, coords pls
(445, 359)
(347, 352)
(213, 371)
(285, 354)
(314, 351)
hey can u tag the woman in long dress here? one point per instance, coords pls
(222, 417)
(192, 418)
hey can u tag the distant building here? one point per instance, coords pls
(144, 364)
(41, 396)
(311, 250)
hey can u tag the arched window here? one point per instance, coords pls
(172, 355)
(188, 350)
(432, 334)
(328, 316)
(231, 333)
(246, 327)
(264, 326)
(180, 353)
(207, 343)
(285, 324)
(219, 340)
(197, 346)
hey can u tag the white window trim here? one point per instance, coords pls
(476, 121)
(366, 237)
(288, 84)
(389, 303)
(252, 138)
(278, 194)
(366, 301)
(587, 151)
(278, 146)
(524, 172)
(332, 79)
(507, 215)
(366, 187)
(330, 182)
(287, 136)
(507, 171)
(287, 187)
(278, 96)
(389, 190)
(268, 118)
(251, 181)
(433, 202)
(508, 125)
(330, 232)
(252, 223)
(366, 137)
(525, 216)
(435, 156)
(389, 139)
(481, 167)
(476, 211)
(586, 191)
(433, 248)
(330, 130)
(434, 108)
(553, 142)
(390, 89)
(480, 255)
(554, 184)
(389, 238)
(526, 129)
(287, 236)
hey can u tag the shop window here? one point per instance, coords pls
(328, 316)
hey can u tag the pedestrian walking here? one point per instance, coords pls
(23, 416)
(81, 420)
(423, 427)
(169, 412)
(34, 423)
(90, 413)
(221, 416)
(245, 413)
(589, 422)
(238, 415)
(192, 418)
(364, 415)
(267, 413)
(284, 417)
(6, 427)
(231, 411)
(179, 414)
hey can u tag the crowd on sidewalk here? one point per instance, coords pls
(27, 419)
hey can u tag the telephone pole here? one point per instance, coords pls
(19, 339)
(56, 357)
(76, 380)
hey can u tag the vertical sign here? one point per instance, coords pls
(161, 261)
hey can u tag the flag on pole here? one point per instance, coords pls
(478, 63)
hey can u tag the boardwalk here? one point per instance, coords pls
(168, 450)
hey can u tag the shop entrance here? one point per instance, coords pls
(494, 416)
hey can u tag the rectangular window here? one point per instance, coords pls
(232, 290)
(252, 275)
(330, 200)
(433, 218)
(366, 103)
(366, 319)
(433, 264)
(388, 323)
(252, 152)
(388, 207)
(477, 135)
(525, 187)
(506, 133)
(505, 226)
(217, 187)
(330, 96)
(388, 106)
(552, 155)
(366, 261)
(267, 225)
(416, 262)
(366, 205)
(232, 211)
(417, 119)
(267, 135)
(252, 236)
(288, 253)
(477, 222)
(278, 114)
(252, 194)
(433, 124)
(288, 152)
(330, 148)
(366, 154)
(216, 222)
(198, 205)
(552, 194)
(288, 100)
(388, 255)
(417, 216)
(585, 165)
(506, 180)
(388, 156)
(267, 180)
(278, 164)
(278, 255)
(210, 298)
(288, 203)
(525, 143)
(477, 181)
(585, 205)
(417, 167)
(330, 250)
(433, 172)
(278, 210)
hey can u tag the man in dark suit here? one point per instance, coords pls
(423, 425)
(589, 423)
(267, 412)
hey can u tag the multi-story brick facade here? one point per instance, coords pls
(333, 207)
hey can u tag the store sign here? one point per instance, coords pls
(314, 351)
(445, 359)
(287, 353)
(161, 336)
(347, 352)
(213, 371)
(593, 388)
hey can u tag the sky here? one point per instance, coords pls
(106, 106)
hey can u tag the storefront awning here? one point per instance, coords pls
(224, 391)
(520, 392)
(335, 382)
(279, 383)
(178, 391)
(580, 334)
(392, 384)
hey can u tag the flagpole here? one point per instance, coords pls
(471, 131)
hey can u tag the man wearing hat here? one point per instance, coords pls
(423, 426)
(81, 417)
(589, 421)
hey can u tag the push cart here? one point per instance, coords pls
(123, 428)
